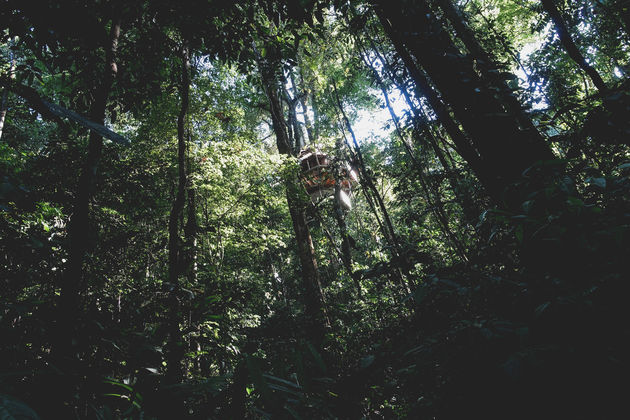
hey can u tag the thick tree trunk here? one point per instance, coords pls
(314, 301)
(424, 89)
(505, 150)
(569, 45)
(175, 347)
(79, 227)
(487, 65)
(421, 122)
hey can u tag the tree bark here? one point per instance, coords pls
(4, 102)
(303, 97)
(191, 230)
(298, 135)
(175, 347)
(314, 301)
(487, 65)
(368, 179)
(504, 149)
(424, 89)
(436, 206)
(346, 249)
(421, 123)
(79, 229)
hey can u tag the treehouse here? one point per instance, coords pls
(318, 176)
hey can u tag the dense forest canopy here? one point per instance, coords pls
(194, 222)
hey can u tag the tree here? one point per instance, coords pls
(175, 253)
(512, 148)
(314, 301)
(79, 226)
(475, 275)
(569, 45)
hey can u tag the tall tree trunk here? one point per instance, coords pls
(488, 66)
(79, 229)
(314, 301)
(420, 124)
(346, 249)
(314, 106)
(4, 102)
(303, 97)
(424, 89)
(298, 136)
(569, 45)
(368, 179)
(436, 205)
(190, 232)
(504, 148)
(389, 232)
(175, 346)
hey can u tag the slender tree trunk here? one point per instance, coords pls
(420, 122)
(175, 347)
(424, 89)
(4, 102)
(332, 243)
(368, 179)
(346, 249)
(314, 301)
(79, 229)
(191, 231)
(303, 97)
(298, 135)
(4, 105)
(316, 124)
(436, 205)
(389, 232)
(569, 45)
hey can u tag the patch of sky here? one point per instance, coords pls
(521, 72)
(377, 124)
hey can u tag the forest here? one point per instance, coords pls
(314, 209)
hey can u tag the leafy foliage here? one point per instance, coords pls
(444, 295)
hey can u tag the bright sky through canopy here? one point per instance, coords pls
(379, 123)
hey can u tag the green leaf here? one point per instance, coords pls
(119, 384)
